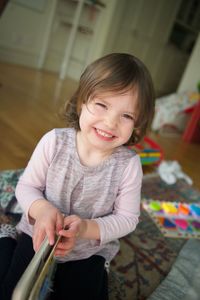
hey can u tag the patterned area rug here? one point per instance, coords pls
(145, 257)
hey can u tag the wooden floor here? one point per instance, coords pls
(29, 105)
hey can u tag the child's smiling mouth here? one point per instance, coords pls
(104, 135)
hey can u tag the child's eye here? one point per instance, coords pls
(128, 117)
(100, 105)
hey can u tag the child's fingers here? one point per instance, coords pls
(62, 252)
(65, 246)
(41, 233)
(59, 222)
(67, 233)
(65, 243)
(38, 238)
(70, 219)
(50, 232)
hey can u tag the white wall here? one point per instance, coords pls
(105, 23)
(191, 75)
(143, 28)
(70, 49)
(31, 29)
(24, 36)
(24, 32)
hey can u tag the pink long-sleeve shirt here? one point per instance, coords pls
(108, 193)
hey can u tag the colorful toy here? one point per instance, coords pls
(149, 151)
(183, 209)
(155, 206)
(175, 219)
(195, 210)
(169, 208)
(183, 224)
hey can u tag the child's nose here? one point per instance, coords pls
(111, 121)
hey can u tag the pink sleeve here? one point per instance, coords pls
(32, 182)
(126, 211)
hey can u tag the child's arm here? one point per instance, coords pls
(126, 212)
(30, 192)
(31, 184)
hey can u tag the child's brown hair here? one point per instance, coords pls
(115, 73)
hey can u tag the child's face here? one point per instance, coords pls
(107, 121)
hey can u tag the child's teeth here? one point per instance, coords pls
(103, 133)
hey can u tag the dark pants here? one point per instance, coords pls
(82, 279)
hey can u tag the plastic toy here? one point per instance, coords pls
(149, 151)
(174, 219)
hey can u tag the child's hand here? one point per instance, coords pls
(48, 222)
(65, 245)
(74, 225)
